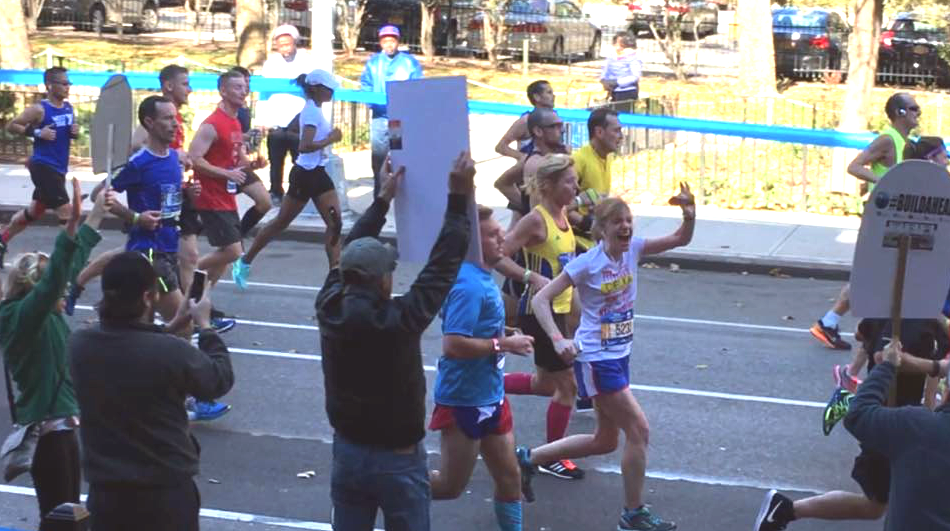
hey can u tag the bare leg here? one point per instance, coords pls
(839, 505)
(328, 204)
(95, 268)
(187, 259)
(215, 262)
(858, 361)
(290, 208)
(498, 452)
(459, 454)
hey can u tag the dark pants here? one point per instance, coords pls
(56, 473)
(280, 142)
(379, 145)
(116, 507)
(366, 479)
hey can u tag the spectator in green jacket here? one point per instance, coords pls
(33, 335)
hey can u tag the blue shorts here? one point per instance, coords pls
(475, 422)
(602, 377)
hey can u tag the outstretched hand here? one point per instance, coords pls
(390, 181)
(462, 176)
(685, 200)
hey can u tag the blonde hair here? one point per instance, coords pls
(604, 211)
(26, 272)
(548, 172)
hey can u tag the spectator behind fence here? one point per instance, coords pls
(389, 64)
(278, 111)
(33, 334)
(131, 380)
(621, 74)
(372, 362)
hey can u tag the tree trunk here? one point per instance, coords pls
(15, 50)
(493, 29)
(426, 30)
(251, 33)
(671, 42)
(862, 71)
(756, 49)
(32, 14)
(862, 68)
(350, 26)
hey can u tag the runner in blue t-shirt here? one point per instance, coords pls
(152, 182)
(51, 124)
(471, 410)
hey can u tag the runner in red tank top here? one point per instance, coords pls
(218, 154)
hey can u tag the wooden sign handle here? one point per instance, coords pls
(897, 299)
(111, 144)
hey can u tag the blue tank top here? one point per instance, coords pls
(54, 154)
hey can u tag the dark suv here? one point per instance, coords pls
(909, 51)
(809, 43)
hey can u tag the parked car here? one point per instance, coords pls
(406, 14)
(909, 51)
(552, 28)
(96, 15)
(697, 18)
(217, 6)
(809, 42)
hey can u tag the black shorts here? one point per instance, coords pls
(922, 338)
(49, 186)
(166, 267)
(872, 472)
(223, 227)
(544, 354)
(308, 185)
(249, 178)
(188, 222)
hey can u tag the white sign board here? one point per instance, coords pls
(113, 108)
(428, 129)
(913, 198)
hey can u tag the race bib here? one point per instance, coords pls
(616, 328)
(171, 201)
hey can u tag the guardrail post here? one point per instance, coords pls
(702, 169)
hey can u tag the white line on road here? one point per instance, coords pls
(432, 368)
(216, 514)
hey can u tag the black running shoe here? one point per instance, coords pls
(584, 405)
(775, 513)
(563, 469)
(829, 337)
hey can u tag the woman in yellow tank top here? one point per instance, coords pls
(548, 243)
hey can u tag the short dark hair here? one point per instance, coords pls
(223, 78)
(125, 279)
(170, 72)
(50, 72)
(536, 119)
(241, 70)
(484, 213)
(924, 148)
(598, 118)
(894, 104)
(535, 88)
(148, 107)
(625, 40)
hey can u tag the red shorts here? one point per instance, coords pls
(475, 422)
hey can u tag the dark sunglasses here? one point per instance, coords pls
(914, 108)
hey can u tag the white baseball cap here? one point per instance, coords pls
(322, 77)
(287, 29)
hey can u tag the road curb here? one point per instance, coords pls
(754, 265)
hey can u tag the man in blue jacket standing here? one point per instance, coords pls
(389, 64)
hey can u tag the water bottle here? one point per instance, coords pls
(232, 187)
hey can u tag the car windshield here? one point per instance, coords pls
(813, 19)
(534, 6)
(921, 29)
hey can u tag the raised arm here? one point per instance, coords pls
(877, 151)
(516, 132)
(684, 234)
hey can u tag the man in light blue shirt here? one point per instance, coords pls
(621, 74)
(389, 64)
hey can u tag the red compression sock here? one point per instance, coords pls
(518, 383)
(558, 418)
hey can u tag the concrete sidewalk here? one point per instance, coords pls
(753, 241)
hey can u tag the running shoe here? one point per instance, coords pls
(523, 454)
(222, 324)
(830, 337)
(642, 520)
(199, 410)
(775, 513)
(240, 270)
(836, 409)
(563, 469)
(844, 379)
(72, 296)
(584, 405)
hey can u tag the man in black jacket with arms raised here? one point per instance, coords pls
(372, 362)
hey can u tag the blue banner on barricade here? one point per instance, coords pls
(267, 86)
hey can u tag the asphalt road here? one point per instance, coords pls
(729, 378)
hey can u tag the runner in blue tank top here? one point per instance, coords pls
(51, 124)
